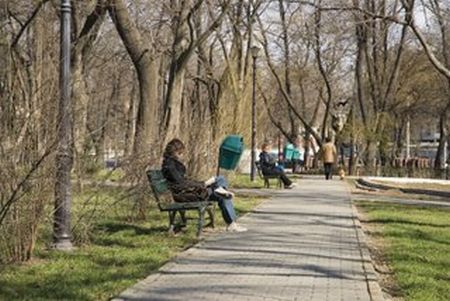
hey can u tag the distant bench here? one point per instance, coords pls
(266, 178)
(167, 204)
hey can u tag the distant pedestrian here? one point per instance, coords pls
(329, 157)
(269, 166)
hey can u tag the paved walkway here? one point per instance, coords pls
(302, 244)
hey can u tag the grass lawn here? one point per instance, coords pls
(243, 181)
(416, 244)
(120, 253)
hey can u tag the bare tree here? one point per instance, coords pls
(443, 26)
(185, 41)
(146, 61)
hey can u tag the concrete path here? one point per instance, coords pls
(302, 244)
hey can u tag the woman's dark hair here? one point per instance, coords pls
(174, 145)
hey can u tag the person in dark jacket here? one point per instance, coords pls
(269, 167)
(188, 190)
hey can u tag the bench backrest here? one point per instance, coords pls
(159, 187)
(260, 173)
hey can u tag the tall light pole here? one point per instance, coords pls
(254, 50)
(64, 162)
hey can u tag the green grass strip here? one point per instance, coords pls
(417, 246)
(119, 254)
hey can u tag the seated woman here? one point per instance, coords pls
(187, 190)
(269, 167)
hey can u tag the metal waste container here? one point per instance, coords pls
(289, 151)
(230, 152)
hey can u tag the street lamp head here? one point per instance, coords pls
(254, 50)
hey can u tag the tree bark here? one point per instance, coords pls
(80, 51)
(294, 132)
(440, 160)
(146, 64)
(323, 73)
(361, 44)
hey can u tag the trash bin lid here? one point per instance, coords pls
(232, 143)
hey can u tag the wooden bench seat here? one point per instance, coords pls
(166, 203)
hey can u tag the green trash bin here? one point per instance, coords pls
(289, 151)
(230, 152)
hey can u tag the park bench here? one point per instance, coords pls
(266, 178)
(166, 203)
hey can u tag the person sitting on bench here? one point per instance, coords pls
(268, 166)
(187, 190)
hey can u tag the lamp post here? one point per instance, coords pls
(254, 51)
(63, 198)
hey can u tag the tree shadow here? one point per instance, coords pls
(112, 228)
(404, 222)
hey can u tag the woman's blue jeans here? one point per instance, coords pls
(225, 204)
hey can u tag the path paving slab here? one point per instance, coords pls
(302, 244)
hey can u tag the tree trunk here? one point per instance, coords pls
(174, 98)
(146, 120)
(294, 132)
(82, 46)
(397, 144)
(440, 160)
(80, 103)
(361, 38)
(147, 71)
(317, 33)
(130, 117)
(184, 44)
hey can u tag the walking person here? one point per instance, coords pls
(329, 157)
(269, 167)
(188, 190)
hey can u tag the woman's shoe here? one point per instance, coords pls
(234, 227)
(223, 192)
(290, 186)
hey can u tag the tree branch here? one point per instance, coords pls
(269, 113)
(287, 98)
(28, 22)
(427, 48)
